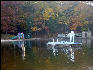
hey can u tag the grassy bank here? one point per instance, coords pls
(6, 36)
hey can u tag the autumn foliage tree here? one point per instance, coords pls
(9, 16)
(40, 16)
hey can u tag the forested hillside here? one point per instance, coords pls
(46, 16)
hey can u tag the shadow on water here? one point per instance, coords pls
(36, 55)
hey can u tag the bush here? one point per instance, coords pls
(6, 36)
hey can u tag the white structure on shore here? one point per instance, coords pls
(71, 35)
(86, 34)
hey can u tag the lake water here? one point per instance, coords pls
(36, 55)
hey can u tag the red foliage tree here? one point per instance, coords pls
(9, 15)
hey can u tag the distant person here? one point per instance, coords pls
(19, 35)
(22, 35)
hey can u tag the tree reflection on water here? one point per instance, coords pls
(35, 55)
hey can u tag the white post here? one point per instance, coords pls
(72, 36)
(53, 40)
(57, 40)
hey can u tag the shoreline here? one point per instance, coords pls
(9, 40)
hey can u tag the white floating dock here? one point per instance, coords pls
(71, 35)
(10, 40)
(62, 43)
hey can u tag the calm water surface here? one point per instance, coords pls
(36, 55)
